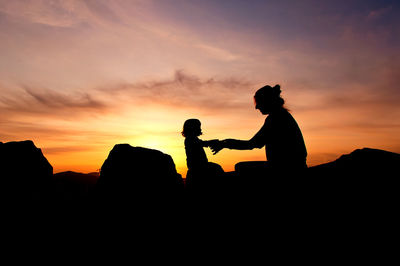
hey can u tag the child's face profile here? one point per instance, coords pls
(192, 127)
(196, 129)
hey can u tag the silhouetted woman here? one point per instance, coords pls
(200, 170)
(284, 145)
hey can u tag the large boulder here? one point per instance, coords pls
(136, 173)
(25, 172)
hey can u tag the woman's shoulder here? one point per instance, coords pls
(281, 117)
(280, 114)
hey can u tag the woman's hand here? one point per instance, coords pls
(216, 146)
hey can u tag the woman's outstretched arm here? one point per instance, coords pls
(235, 144)
(258, 141)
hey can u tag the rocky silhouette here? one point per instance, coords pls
(25, 172)
(72, 186)
(362, 163)
(138, 174)
(368, 177)
(363, 179)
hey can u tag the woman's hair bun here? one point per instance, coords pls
(277, 89)
(268, 91)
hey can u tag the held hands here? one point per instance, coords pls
(217, 145)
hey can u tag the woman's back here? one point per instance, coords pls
(284, 141)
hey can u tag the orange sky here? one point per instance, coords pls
(78, 77)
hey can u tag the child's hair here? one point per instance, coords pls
(192, 127)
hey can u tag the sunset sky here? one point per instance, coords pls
(79, 76)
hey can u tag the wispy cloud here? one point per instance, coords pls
(186, 90)
(208, 95)
(52, 99)
(61, 13)
(378, 13)
(51, 13)
(219, 53)
(50, 102)
(182, 90)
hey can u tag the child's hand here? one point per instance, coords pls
(216, 146)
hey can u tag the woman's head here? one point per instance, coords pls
(268, 99)
(191, 127)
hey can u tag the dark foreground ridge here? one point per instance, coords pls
(137, 175)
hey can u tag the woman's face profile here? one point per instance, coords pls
(261, 105)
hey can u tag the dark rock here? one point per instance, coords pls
(70, 186)
(363, 175)
(362, 162)
(138, 173)
(25, 173)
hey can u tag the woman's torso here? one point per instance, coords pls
(284, 143)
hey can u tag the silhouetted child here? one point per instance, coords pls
(200, 171)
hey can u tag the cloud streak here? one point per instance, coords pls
(181, 91)
(52, 99)
(207, 96)
(378, 13)
(61, 13)
(186, 91)
(50, 102)
(55, 13)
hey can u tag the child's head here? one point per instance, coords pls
(192, 127)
